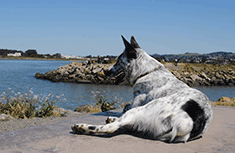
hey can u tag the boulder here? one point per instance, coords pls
(5, 117)
(224, 99)
(195, 77)
(96, 70)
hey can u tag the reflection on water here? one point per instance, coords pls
(19, 75)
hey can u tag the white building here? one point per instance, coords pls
(71, 57)
(14, 55)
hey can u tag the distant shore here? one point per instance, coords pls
(36, 58)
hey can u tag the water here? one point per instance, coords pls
(19, 75)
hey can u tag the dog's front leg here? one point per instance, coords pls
(139, 100)
(95, 129)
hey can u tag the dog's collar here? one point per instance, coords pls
(143, 75)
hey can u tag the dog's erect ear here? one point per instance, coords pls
(127, 44)
(130, 50)
(134, 42)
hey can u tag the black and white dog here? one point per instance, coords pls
(164, 108)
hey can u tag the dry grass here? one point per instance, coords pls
(190, 67)
(28, 105)
(224, 101)
(92, 108)
(231, 104)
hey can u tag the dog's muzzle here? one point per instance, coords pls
(116, 76)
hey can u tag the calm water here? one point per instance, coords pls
(19, 75)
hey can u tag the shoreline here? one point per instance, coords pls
(45, 59)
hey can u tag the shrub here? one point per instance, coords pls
(224, 101)
(27, 105)
(92, 108)
(103, 102)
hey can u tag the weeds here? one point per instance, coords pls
(92, 108)
(224, 101)
(27, 105)
(188, 68)
(101, 103)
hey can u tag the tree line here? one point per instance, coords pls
(28, 53)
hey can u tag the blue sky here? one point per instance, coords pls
(92, 27)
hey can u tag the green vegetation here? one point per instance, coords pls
(28, 105)
(188, 68)
(101, 104)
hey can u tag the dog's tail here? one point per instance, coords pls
(198, 116)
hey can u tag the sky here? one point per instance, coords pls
(94, 27)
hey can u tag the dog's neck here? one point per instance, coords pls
(143, 75)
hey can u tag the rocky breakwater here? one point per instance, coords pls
(78, 73)
(191, 74)
(205, 76)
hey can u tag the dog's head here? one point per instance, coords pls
(132, 63)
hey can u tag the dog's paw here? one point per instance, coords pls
(78, 129)
(110, 120)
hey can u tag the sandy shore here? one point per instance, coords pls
(57, 137)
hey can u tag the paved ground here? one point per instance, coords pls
(57, 137)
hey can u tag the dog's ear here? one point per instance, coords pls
(130, 50)
(134, 42)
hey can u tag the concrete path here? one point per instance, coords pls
(57, 137)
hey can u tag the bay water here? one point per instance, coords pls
(19, 76)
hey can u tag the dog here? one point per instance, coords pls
(164, 108)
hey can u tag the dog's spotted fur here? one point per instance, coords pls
(164, 108)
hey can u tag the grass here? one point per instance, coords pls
(28, 105)
(101, 104)
(231, 104)
(92, 108)
(224, 101)
(211, 67)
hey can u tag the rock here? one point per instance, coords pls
(101, 74)
(97, 70)
(5, 117)
(72, 76)
(38, 75)
(83, 108)
(224, 99)
(195, 77)
(217, 75)
(177, 74)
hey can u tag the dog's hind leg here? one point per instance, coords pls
(111, 119)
